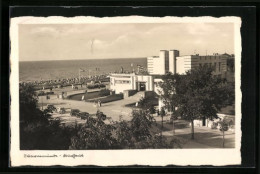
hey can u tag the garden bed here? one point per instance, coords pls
(89, 95)
(96, 96)
(107, 99)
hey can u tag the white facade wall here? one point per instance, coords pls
(148, 80)
(173, 54)
(164, 55)
(151, 64)
(183, 64)
(156, 90)
(121, 82)
(218, 62)
(156, 65)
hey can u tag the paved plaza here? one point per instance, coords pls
(204, 137)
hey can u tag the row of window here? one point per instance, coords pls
(122, 81)
(209, 57)
(122, 76)
(216, 67)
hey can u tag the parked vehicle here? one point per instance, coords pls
(74, 112)
(41, 93)
(51, 108)
(83, 115)
(50, 93)
(61, 110)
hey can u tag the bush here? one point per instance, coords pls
(104, 92)
(95, 86)
(94, 135)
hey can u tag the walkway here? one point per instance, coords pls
(205, 137)
(112, 109)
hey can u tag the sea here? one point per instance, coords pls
(62, 69)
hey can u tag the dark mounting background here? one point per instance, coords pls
(247, 10)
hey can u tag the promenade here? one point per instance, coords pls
(113, 110)
(204, 137)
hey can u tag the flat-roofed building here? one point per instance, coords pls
(171, 61)
(217, 61)
(121, 82)
(173, 54)
(158, 64)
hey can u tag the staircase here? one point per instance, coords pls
(136, 97)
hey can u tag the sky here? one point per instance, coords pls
(129, 40)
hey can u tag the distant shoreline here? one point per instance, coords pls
(63, 69)
(82, 59)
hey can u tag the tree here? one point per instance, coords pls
(198, 94)
(95, 134)
(168, 94)
(141, 124)
(148, 103)
(124, 135)
(37, 129)
(162, 113)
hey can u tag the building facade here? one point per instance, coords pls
(171, 61)
(167, 61)
(158, 64)
(122, 82)
(216, 61)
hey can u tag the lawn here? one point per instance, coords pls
(204, 136)
(95, 96)
(87, 96)
(107, 99)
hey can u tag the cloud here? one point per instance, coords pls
(121, 40)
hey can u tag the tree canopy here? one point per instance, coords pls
(198, 94)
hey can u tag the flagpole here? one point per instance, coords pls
(79, 75)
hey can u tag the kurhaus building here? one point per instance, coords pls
(119, 82)
(167, 61)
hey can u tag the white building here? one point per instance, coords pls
(171, 61)
(167, 61)
(158, 65)
(216, 61)
(122, 82)
(173, 54)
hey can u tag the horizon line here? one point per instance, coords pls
(81, 59)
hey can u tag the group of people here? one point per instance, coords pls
(98, 103)
(65, 81)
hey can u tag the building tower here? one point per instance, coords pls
(172, 60)
(164, 57)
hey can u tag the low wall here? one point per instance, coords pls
(128, 93)
(72, 93)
